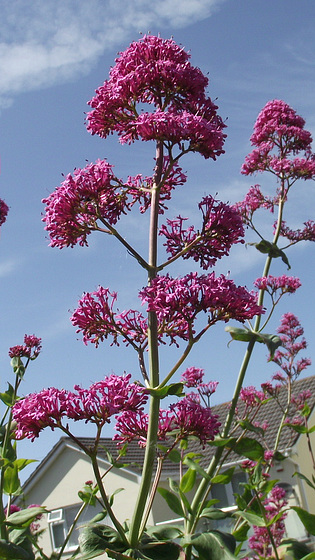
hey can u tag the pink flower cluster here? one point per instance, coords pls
(259, 542)
(184, 419)
(140, 187)
(177, 301)
(157, 72)
(290, 331)
(97, 320)
(4, 209)
(30, 349)
(294, 236)
(254, 200)
(222, 227)
(251, 397)
(73, 208)
(97, 404)
(279, 128)
(272, 284)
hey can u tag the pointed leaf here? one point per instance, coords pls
(252, 518)
(248, 447)
(11, 551)
(172, 501)
(223, 478)
(24, 517)
(188, 481)
(195, 466)
(215, 545)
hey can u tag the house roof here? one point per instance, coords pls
(271, 413)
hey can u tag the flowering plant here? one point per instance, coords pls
(153, 93)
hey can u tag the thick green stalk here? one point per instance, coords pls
(150, 451)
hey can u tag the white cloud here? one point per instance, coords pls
(42, 43)
(7, 267)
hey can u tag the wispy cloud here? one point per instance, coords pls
(43, 43)
(7, 267)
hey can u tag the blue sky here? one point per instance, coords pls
(53, 55)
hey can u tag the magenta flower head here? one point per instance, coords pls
(283, 284)
(192, 377)
(97, 319)
(30, 349)
(177, 301)
(4, 209)
(155, 72)
(278, 134)
(89, 194)
(222, 227)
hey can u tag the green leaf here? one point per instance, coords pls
(246, 425)
(243, 335)
(252, 518)
(308, 519)
(161, 550)
(188, 481)
(214, 513)
(174, 456)
(241, 532)
(22, 463)
(221, 442)
(18, 366)
(8, 398)
(172, 501)
(272, 250)
(304, 478)
(95, 539)
(165, 532)
(11, 481)
(249, 448)
(272, 341)
(24, 517)
(195, 466)
(214, 545)
(111, 554)
(223, 478)
(295, 549)
(11, 551)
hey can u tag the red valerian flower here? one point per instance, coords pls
(177, 301)
(292, 341)
(271, 284)
(139, 187)
(96, 404)
(260, 541)
(254, 200)
(96, 318)
(192, 377)
(72, 210)
(193, 419)
(222, 227)
(294, 236)
(4, 209)
(30, 349)
(104, 399)
(278, 133)
(157, 72)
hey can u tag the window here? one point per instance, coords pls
(60, 521)
(225, 494)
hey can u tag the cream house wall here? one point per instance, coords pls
(61, 480)
(305, 465)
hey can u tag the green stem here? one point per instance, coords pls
(108, 508)
(153, 349)
(203, 489)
